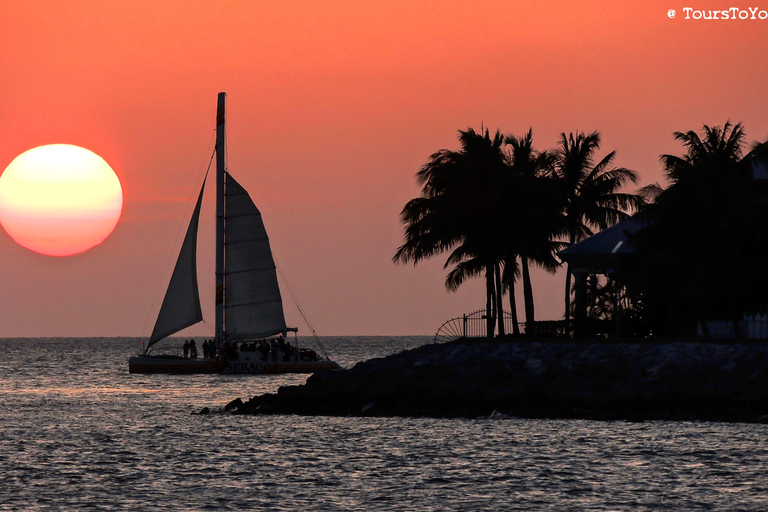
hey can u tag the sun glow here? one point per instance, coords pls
(59, 199)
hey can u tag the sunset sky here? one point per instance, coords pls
(332, 108)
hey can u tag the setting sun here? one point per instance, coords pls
(59, 199)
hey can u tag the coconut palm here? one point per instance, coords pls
(712, 166)
(458, 211)
(719, 153)
(509, 275)
(589, 192)
(531, 214)
(707, 223)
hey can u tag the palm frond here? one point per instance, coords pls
(462, 272)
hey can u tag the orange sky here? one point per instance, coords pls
(332, 108)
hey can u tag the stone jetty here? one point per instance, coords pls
(599, 379)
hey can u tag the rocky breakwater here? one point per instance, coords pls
(723, 381)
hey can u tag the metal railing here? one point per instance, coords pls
(475, 325)
(472, 325)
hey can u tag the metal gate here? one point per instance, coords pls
(472, 325)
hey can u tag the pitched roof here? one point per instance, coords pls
(608, 243)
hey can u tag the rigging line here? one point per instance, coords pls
(178, 235)
(295, 300)
(301, 311)
(211, 327)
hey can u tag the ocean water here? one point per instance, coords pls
(78, 432)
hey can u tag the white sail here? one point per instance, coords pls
(253, 307)
(181, 305)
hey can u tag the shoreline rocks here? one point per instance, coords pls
(599, 379)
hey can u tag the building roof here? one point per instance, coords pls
(601, 252)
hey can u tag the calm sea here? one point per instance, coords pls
(77, 432)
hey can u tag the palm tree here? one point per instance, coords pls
(719, 154)
(532, 216)
(458, 211)
(589, 191)
(509, 275)
(706, 226)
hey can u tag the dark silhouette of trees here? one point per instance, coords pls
(589, 192)
(459, 211)
(702, 256)
(533, 217)
(498, 206)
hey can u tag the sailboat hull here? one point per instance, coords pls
(268, 368)
(173, 364)
(242, 365)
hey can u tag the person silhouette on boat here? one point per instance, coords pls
(212, 348)
(264, 348)
(186, 348)
(192, 349)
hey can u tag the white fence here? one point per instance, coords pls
(756, 325)
(753, 326)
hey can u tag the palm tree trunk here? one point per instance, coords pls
(513, 309)
(494, 305)
(567, 330)
(489, 300)
(568, 301)
(499, 296)
(580, 305)
(527, 295)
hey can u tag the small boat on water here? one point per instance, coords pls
(250, 327)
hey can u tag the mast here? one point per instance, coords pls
(220, 191)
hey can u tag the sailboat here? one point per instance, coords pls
(250, 328)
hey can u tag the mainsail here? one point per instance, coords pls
(253, 307)
(181, 305)
(248, 302)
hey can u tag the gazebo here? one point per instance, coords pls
(608, 253)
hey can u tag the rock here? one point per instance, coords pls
(633, 380)
(234, 405)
